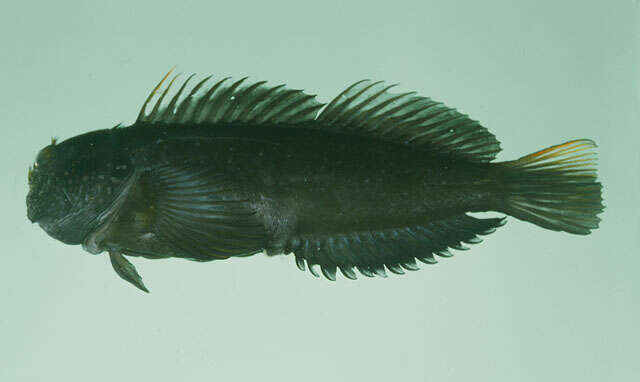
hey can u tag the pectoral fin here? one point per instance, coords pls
(126, 270)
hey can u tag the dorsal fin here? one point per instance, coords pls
(368, 108)
(228, 100)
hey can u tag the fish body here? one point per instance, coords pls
(374, 181)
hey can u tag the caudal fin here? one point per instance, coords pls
(556, 188)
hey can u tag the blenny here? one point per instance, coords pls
(373, 180)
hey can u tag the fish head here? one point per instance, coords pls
(70, 186)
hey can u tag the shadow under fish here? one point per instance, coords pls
(371, 181)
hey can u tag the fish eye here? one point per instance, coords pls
(44, 156)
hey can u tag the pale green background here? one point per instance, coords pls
(526, 305)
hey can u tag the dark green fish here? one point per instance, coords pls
(372, 180)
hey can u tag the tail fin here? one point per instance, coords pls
(556, 188)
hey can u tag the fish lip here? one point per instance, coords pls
(30, 217)
(32, 213)
(30, 206)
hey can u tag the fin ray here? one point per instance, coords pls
(368, 108)
(198, 213)
(227, 101)
(126, 270)
(556, 188)
(394, 249)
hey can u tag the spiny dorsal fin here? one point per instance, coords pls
(368, 108)
(227, 100)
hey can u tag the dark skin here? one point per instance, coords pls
(314, 181)
(229, 168)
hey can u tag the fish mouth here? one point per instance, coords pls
(70, 229)
(34, 212)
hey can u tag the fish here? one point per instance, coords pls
(372, 181)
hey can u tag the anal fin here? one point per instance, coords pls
(394, 249)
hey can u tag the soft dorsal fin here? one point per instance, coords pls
(228, 100)
(368, 108)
